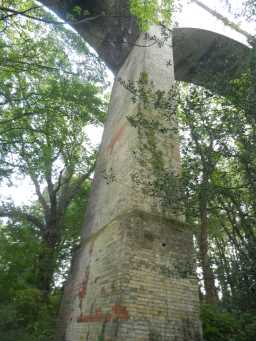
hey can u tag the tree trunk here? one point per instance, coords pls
(46, 266)
(47, 259)
(208, 276)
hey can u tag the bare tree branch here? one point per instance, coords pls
(72, 189)
(14, 212)
(47, 21)
(41, 199)
(14, 13)
(39, 66)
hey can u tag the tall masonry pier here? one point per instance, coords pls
(133, 275)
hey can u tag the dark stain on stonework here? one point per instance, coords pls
(184, 268)
(149, 236)
(154, 336)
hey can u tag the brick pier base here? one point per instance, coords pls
(135, 282)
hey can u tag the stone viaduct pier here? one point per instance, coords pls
(133, 276)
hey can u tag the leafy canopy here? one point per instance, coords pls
(149, 12)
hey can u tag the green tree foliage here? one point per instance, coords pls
(23, 311)
(220, 324)
(219, 147)
(149, 12)
(51, 89)
(218, 162)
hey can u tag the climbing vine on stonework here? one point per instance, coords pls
(154, 120)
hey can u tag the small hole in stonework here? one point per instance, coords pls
(163, 244)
